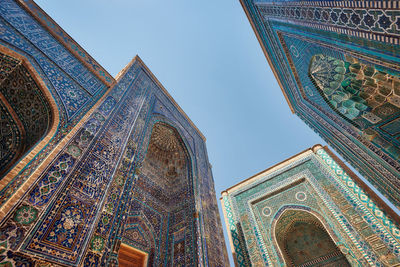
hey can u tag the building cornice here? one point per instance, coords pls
(249, 17)
(275, 167)
(67, 41)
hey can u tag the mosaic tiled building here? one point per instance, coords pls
(309, 210)
(94, 170)
(337, 63)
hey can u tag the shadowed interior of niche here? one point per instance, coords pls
(25, 112)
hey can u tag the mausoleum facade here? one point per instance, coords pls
(309, 210)
(95, 170)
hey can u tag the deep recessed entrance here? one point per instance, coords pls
(304, 241)
(162, 213)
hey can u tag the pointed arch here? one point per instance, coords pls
(166, 186)
(302, 237)
(31, 112)
(187, 145)
(157, 118)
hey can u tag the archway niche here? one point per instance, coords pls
(303, 241)
(167, 165)
(26, 115)
(163, 197)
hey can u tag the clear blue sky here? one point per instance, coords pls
(206, 55)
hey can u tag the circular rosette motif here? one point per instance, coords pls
(25, 215)
(97, 243)
(74, 151)
(266, 211)
(301, 196)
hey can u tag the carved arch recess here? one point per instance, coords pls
(164, 193)
(28, 113)
(304, 241)
(285, 220)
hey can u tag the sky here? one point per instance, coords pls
(206, 55)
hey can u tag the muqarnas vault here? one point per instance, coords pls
(95, 171)
(337, 63)
(309, 210)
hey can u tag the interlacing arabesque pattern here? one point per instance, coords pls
(69, 212)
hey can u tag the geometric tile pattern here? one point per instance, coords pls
(360, 94)
(71, 95)
(240, 250)
(26, 112)
(24, 98)
(372, 135)
(163, 202)
(10, 139)
(74, 94)
(42, 39)
(84, 183)
(363, 20)
(74, 88)
(305, 241)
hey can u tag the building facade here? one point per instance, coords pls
(337, 63)
(95, 170)
(309, 210)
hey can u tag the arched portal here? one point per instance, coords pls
(26, 115)
(304, 241)
(166, 164)
(164, 195)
